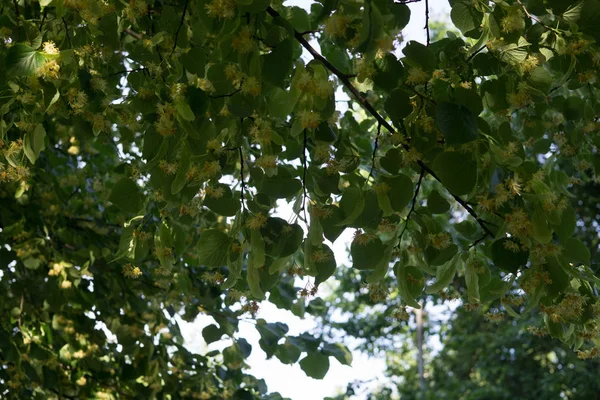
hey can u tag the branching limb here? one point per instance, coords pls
(369, 107)
(412, 207)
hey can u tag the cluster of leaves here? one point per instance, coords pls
(146, 146)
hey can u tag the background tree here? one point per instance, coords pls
(146, 146)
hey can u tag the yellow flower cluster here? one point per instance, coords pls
(336, 26)
(131, 271)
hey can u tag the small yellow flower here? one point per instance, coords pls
(256, 221)
(309, 119)
(50, 48)
(416, 76)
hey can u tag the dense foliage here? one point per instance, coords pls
(145, 147)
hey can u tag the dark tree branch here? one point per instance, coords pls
(374, 152)
(407, 1)
(369, 107)
(304, 166)
(412, 207)
(427, 21)
(421, 95)
(44, 18)
(476, 52)
(225, 95)
(179, 27)
(18, 17)
(127, 71)
(536, 19)
(67, 31)
(242, 183)
(475, 243)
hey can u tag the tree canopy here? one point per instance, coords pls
(147, 148)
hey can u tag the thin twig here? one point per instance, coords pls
(475, 243)
(225, 95)
(20, 313)
(304, 143)
(374, 153)
(369, 107)
(18, 17)
(127, 71)
(536, 19)
(427, 21)
(242, 183)
(179, 27)
(133, 34)
(44, 18)
(407, 1)
(476, 52)
(412, 207)
(67, 31)
(421, 95)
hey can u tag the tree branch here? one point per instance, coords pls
(412, 207)
(536, 19)
(304, 143)
(427, 21)
(185, 5)
(369, 107)
(225, 95)
(67, 31)
(133, 34)
(242, 183)
(18, 17)
(374, 153)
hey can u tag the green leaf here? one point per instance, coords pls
(457, 123)
(126, 195)
(288, 353)
(277, 65)
(577, 252)
(568, 223)
(397, 105)
(185, 111)
(458, 172)
(33, 143)
(211, 333)
(436, 203)
(213, 248)
(410, 283)
(325, 265)
(366, 255)
(315, 365)
(352, 205)
(419, 55)
(194, 61)
(21, 59)
(465, 17)
(472, 281)
(400, 191)
(444, 275)
(508, 255)
(339, 351)
(227, 204)
(541, 231)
